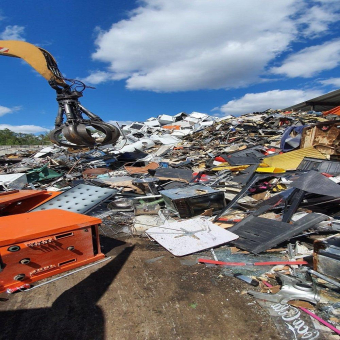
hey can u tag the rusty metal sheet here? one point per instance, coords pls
(93, 173)
(124, 183)
(132, 170)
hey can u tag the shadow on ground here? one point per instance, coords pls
(111, 246)
(73, 315)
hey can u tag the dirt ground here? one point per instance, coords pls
(143, 292)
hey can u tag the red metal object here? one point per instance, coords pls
(40, 244)
(222, 263)
(17, 289)
(220, 159)
(326, 175)
(226, 219)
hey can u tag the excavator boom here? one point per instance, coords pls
(41, 60)
(76, 131)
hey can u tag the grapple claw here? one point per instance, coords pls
(79, 135)
(111, 132)
(77, 131)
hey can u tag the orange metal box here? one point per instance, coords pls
(36, 245)
(21, 201)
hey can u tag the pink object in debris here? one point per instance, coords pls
(312, 314)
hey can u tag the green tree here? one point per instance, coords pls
(8, 137)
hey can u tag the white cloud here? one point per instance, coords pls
(331, 81)
(97, 77)
(190, 45)
(311, 60)
(24, 128)
(5, 110)
(179, 45)
(19, 128)
(14, 32)
(276, 99)
(317, 18)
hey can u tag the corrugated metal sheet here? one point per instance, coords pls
(325, 102)
(291, 160)
(329, 167)
(335, 111)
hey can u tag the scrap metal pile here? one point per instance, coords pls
(261, 189)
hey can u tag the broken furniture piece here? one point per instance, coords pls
(51, 242)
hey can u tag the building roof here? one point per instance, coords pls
(323, 103)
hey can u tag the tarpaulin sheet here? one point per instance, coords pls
(41, 174)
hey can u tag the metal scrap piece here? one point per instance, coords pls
(80, 199)
(320, 165)
(258, 234)
(292, 289)
(326, 256)
(316, 183)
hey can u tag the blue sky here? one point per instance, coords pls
(154, 57)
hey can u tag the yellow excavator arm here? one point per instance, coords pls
(41, 60)
(74, 132)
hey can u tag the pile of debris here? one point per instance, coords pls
(258, 195)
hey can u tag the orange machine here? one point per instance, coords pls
(36, 245)
(21, 201)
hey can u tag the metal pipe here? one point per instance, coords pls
(324, 277)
